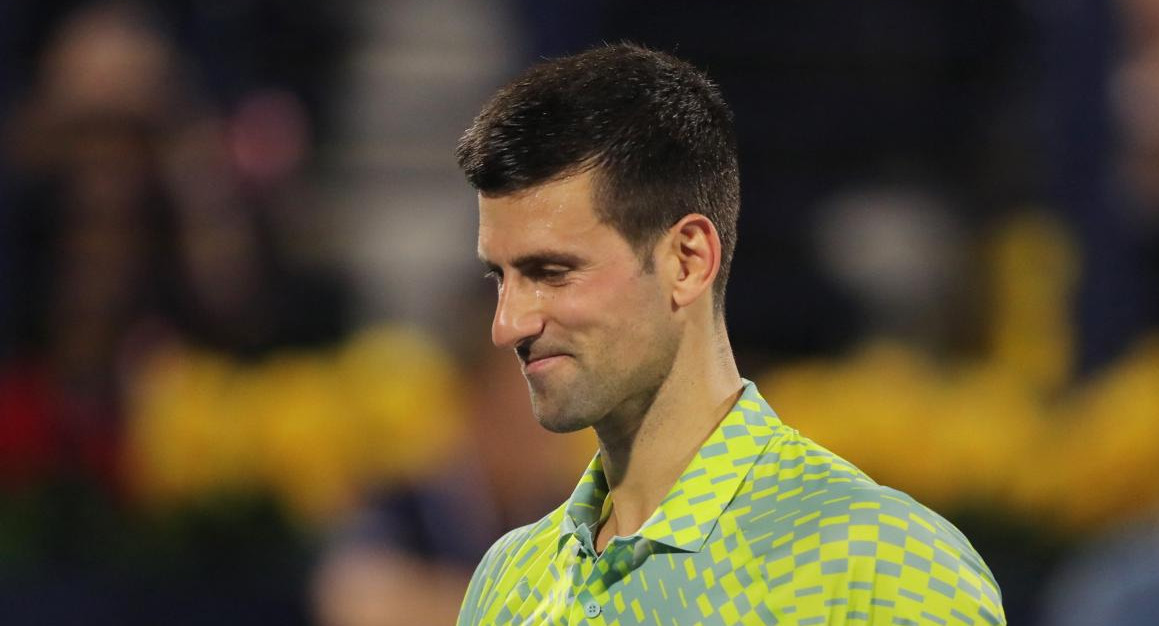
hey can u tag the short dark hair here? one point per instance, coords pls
(654, 130)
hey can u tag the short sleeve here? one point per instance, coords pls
(483, 581)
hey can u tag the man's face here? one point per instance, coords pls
(594, 333)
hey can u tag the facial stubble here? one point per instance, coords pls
(588, 397)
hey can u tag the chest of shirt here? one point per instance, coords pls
(639, 582)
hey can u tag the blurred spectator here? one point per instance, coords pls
(144, 217)
(89, 231)
(145, 224)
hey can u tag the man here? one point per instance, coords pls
(608, 201)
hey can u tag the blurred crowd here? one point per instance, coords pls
(948, 272)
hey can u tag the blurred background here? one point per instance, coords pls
(245, 375)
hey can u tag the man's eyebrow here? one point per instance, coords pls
(547, 258)
(534, 259)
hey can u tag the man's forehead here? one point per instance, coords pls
(546, 214)
(536, 209)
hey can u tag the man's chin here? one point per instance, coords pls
(558, 419)
(561, 426)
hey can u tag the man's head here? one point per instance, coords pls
(608, 204)
(653, 129)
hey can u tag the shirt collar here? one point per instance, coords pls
(692, 507)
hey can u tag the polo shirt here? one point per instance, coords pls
(763, 527)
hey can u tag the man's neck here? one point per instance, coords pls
(643, 457)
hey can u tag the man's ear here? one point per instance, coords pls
(693, 250)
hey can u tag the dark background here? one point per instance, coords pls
(244, 373)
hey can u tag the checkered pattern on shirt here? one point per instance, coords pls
(763, 527)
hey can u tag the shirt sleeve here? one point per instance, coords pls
(482, 587)
(914, 600)
(941, 580)
(883, 559)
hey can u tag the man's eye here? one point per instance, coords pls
(494, 275)
(551, 274)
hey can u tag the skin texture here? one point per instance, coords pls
(640, 356)
(575, 305)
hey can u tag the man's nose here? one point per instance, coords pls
(518, 315)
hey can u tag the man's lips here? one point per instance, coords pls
(540, 363)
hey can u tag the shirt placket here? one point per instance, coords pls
(586, 589)
(593, 579)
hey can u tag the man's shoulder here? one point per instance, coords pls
(799, 485)
(817, 522)
(507, 562)
(521, 543)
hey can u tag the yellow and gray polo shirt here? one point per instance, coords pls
(764, 527)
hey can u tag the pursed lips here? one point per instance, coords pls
(537, 360)
(536, 365)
